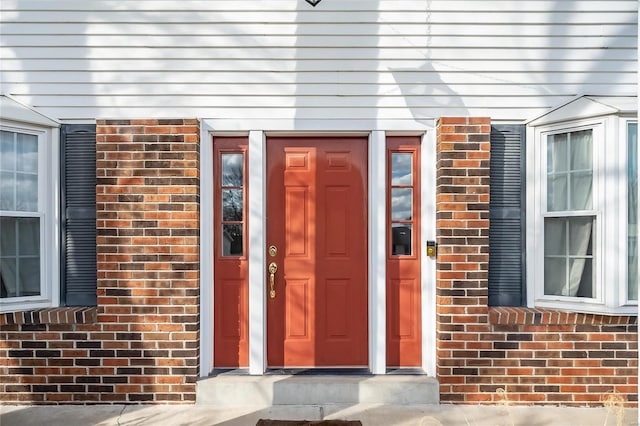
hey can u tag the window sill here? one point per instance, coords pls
(66, 315)
(536, 316)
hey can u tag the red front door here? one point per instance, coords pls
(317, 224)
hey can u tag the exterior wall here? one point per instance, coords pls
(522, 355)
(343, 60)
(141, 343)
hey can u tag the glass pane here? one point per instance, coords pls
(19, 256)
(401, 168)
(557, 192)
(232, 205)
(580, 278)
(555, 237)
(232, 169)
(232, 240)
(7, 236)
(27, 192)
(581, 150)
(557, 152)
(555, 276)
(7, 151)
(27, 156)
(7, 191)
(29, 236)
(401, 238)
(633, 269)
(401, 204)
(8, 281)
(632, 169)
(580, 236)
(581, 189)
(29, 272)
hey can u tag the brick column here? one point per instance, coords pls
(462, 223)
(148, 258)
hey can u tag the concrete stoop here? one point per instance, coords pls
(301, 390)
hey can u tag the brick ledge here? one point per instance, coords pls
(65, 315)
(535, 316)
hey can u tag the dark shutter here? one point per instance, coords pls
(506, 232)
(78, 214)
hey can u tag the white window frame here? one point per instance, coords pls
(609, 210)
(48, 212)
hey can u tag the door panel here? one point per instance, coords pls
(404, 316)
(231, 284)
(317, 219)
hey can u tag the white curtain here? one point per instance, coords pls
(567, 240)
(580, 232)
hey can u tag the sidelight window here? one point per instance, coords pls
(233, 202)
(402, 203)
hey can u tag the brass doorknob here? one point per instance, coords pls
(272, 279)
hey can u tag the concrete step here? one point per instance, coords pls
(301, 390)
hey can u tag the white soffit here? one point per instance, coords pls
(15, 111)
(588, 106)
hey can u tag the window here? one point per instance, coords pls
(20, 221)
(632, 211)
(28, 252)
(232, 183)
(402, 216)
(582, 240)
(569, 219)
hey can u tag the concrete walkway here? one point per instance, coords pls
(369, 414)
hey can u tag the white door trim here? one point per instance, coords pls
(257, 234)
(206, 249)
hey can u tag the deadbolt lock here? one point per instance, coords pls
(273, 250)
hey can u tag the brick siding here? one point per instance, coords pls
(141, 344)
(534, 356)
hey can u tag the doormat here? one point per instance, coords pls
(269, 422)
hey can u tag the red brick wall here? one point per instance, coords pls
(535, 356)
(141, 344)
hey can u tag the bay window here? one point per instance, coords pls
(582, 215)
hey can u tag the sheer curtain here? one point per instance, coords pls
(568, 254)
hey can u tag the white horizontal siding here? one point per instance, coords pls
(342, 60)
(342, 5)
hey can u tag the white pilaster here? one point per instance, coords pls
(428, 264)
(257, 266)
(206, 250)
(377, 255)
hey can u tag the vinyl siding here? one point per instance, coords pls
(342, 60)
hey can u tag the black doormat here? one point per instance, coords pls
(269, 422)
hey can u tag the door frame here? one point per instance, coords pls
(376, 160)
